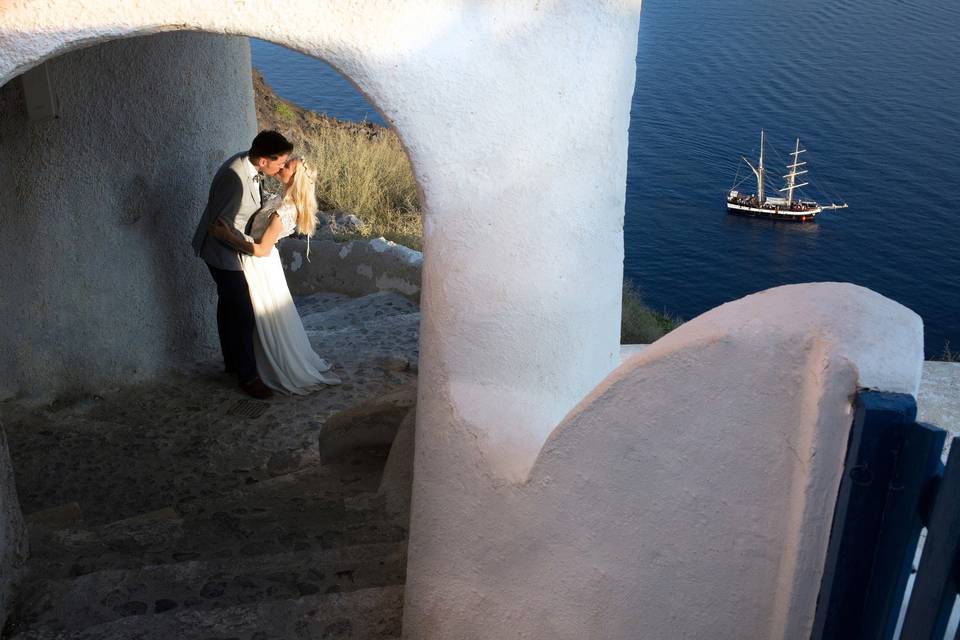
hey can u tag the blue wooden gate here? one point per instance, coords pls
(893, 486)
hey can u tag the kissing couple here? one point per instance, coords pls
(261, 334)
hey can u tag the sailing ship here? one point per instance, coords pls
(788, 207)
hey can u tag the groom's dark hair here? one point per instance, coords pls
(269, 144)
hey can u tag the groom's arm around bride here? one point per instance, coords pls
(224, 205)
(234, 197)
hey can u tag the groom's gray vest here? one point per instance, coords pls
(234, 196)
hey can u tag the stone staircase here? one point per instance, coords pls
(165, 511)
(368, 613)
(278, 553)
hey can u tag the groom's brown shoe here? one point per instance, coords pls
(256, 389)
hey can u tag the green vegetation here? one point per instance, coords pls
(284, 111)
(640, 324)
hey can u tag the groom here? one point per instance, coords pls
(234, 197)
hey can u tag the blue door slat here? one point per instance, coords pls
(916, 469)
(890, 464)
(935, 587)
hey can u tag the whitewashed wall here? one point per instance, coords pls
(98, 207)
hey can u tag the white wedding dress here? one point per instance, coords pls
(285, 360)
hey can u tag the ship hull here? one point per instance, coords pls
(807, 215)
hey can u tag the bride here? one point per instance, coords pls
(285, 360)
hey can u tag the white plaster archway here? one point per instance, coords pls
(515, 118)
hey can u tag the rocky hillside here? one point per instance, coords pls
(362, 168)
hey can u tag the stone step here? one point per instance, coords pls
(185, 448)
(87, 460)
(367, 424)
(62, 516)
(103, 596)
(357, 475)
(365, 614)
(250, 530)
(377, 330)
(323, 313)
(314, 483)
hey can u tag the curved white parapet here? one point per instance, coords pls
(689, 495)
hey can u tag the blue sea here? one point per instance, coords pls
(872, 88)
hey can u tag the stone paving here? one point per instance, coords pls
(181, 508)
(938, 401)
(140, 448)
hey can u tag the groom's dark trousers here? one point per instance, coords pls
(235, 323)
(234, 197)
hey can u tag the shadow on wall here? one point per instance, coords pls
(103, 285)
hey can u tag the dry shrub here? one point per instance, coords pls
(948, 354)
(369, 176)
(639, 324)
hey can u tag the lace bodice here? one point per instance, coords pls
(261, 220)
(288, 217)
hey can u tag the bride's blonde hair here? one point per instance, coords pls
(302, 194)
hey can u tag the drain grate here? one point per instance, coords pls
(248, 409)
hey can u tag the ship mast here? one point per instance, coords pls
(758, 170)
(793, 173)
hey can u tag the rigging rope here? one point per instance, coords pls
(736, 178)
(832, 195)
(810, 179)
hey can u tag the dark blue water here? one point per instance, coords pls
(311, 83)
(871, 87)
